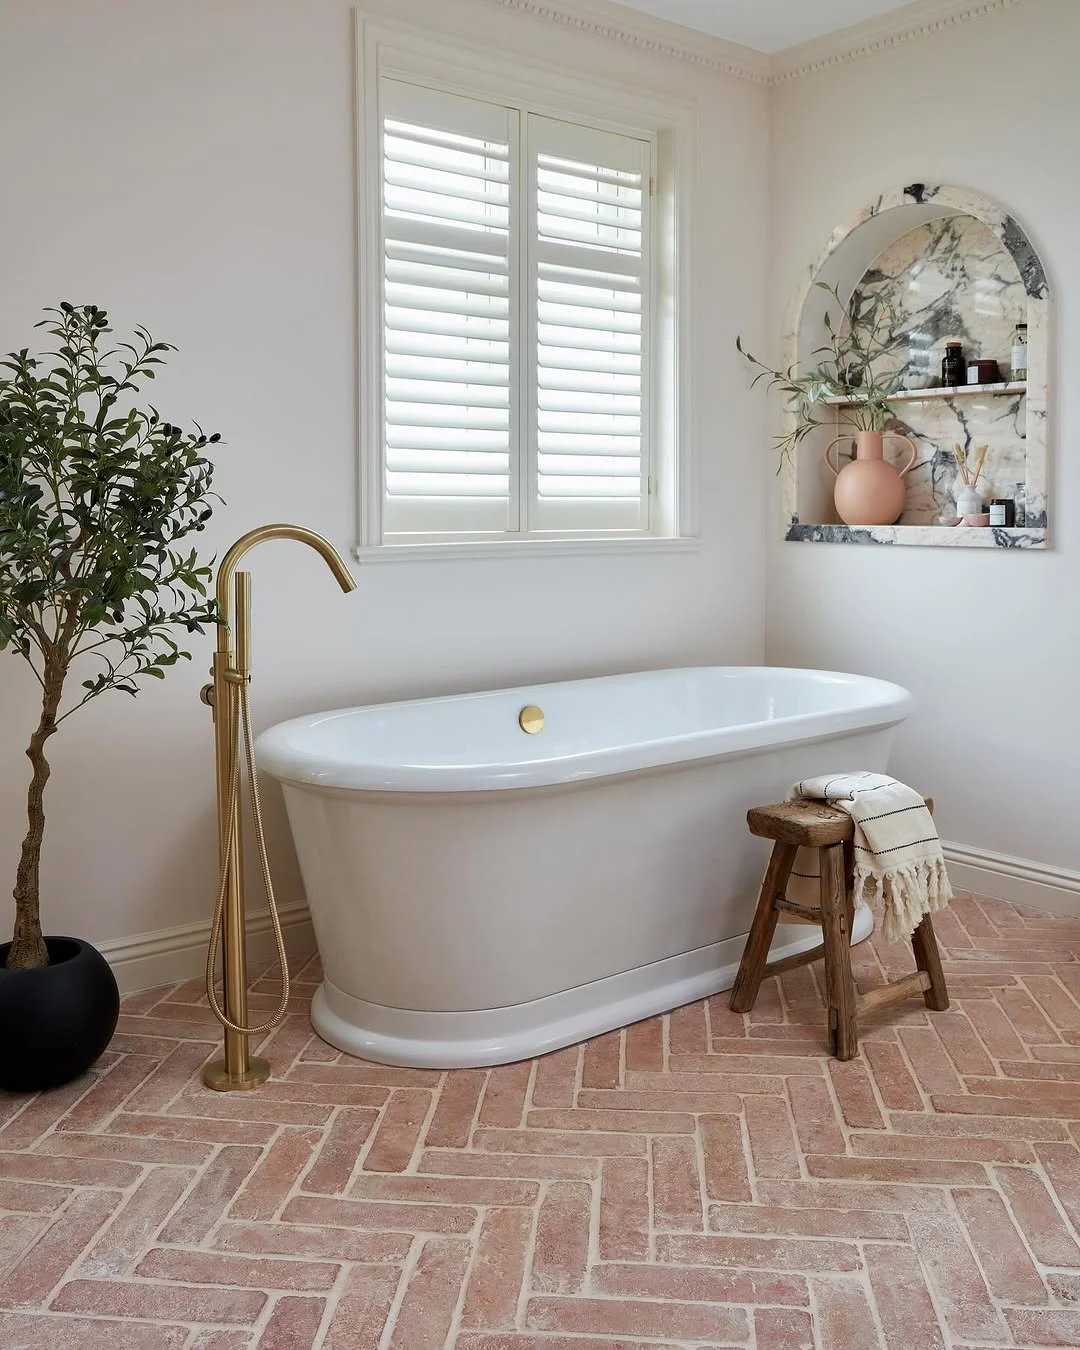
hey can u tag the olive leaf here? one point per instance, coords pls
(849, 368)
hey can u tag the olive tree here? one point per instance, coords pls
(96, 496)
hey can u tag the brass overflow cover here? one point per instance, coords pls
(531, 719)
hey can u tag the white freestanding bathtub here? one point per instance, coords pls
(481, 895)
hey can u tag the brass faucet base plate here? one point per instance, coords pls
(218, 1077)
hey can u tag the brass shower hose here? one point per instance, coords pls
(242, 714)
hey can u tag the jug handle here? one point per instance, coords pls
(914, 452)
(829, 450)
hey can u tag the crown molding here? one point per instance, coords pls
(633, 28)
(602, 19)
(921, 19)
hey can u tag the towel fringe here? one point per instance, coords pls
(906, 894)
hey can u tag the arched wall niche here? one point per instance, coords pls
(986, 271)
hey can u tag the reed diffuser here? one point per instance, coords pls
(969, 502)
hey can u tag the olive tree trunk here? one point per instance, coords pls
(28, 949)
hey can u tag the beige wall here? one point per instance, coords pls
(190, 166)
(988, 642)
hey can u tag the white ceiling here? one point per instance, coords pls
(767, 25)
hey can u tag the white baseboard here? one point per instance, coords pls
(172, 954)
(1018, 880)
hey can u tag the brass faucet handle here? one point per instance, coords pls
(206, 694)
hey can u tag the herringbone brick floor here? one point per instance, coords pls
(695, 1181)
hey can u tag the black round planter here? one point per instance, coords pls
(55, 1021)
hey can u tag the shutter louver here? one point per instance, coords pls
(590, 268)
(449, 313)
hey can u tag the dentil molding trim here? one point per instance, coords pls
(876, 35)
(658, 36)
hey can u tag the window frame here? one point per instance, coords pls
(385, 51)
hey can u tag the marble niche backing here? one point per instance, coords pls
(955, 278)
(952, 280)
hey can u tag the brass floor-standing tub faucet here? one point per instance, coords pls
(238, 1070)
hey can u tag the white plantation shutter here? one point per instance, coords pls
(590, 269)
(516, 263)
(449, 255)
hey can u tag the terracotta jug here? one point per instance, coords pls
(869, 490)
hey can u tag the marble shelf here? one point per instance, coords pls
(944, 536)
(947, 391)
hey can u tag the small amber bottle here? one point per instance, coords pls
(953, 365)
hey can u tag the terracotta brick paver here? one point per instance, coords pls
(695, 1182)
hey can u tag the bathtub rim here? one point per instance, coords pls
(301, 768)
(479, 796)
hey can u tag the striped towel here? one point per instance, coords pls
(898, 856)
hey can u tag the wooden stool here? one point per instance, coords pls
(808, 824)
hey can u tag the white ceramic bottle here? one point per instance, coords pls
(968, 501)
(1018, 363)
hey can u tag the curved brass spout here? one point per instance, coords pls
(246, 542)
(228, 697)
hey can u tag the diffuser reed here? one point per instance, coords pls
(968, 476)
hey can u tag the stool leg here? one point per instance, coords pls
(836, 928)
(849, 872)
(756, 952)
(849, 885)
(924, 945)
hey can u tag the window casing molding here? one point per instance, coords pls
(383, 50)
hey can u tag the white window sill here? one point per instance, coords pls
(501, 549)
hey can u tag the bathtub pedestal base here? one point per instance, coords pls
(463, 1040)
